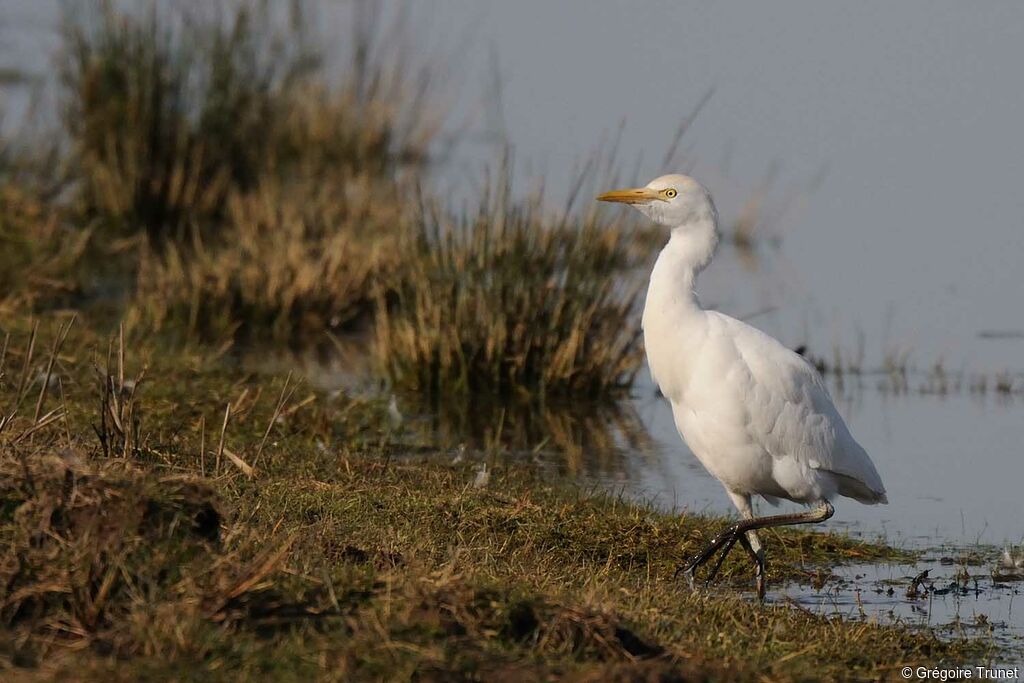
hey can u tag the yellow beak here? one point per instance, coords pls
(636, 195)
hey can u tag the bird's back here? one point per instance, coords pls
(756, 414)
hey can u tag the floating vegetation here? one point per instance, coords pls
(898, 376)
(1009, 566)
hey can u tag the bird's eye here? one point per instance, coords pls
(670, 193)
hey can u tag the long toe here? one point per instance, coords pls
(688, 573)
(726, 549)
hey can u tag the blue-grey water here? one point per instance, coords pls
(885, 141)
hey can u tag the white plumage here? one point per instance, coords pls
(757, 415)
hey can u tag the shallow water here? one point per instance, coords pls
(973, 606)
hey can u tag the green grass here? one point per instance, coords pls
(348, 552)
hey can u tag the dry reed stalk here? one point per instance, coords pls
(220, 445)
(282, 400)
(58, 344)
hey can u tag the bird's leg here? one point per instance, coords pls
(722, 542)
(729, 543)
(728, 538)
(748, 540)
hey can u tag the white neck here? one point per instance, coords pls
(689, 250)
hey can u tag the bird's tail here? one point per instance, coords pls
(859, 491)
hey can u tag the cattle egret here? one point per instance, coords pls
(757, 415)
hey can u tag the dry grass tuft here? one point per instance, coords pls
(172, 111)
(85, 545)
(291, 262)
(509, 302)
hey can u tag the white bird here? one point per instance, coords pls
(757, 415)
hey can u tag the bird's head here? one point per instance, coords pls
(673, 200)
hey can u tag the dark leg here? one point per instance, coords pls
(721, 558)
(725, 541)
(756, 557)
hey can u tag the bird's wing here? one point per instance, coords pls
(791, 413)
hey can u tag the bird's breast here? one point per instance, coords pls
(675, 347)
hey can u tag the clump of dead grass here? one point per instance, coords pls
(80, 540)
(171, 111)
(509, 301)
(104, 556)
(291, 263)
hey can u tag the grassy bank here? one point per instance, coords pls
(167, 517)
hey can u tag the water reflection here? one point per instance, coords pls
(581, 439)
(585, 439)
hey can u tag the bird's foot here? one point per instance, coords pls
(688, 574)
(721, 545)
(759, 569)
